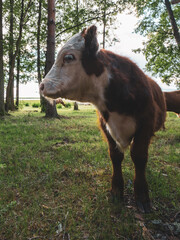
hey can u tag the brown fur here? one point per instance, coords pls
(131, 105)
(129, 92)
(173, 101)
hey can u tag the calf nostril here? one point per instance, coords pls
(41, 86)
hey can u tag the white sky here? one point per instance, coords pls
(127, 41)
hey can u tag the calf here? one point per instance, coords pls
(131, 106)
(59, 100)
(173, 101)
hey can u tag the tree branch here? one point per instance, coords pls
(26, 10)
(173, 22)
(77, 25)
(175, 1)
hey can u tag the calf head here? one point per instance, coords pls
(75, 68)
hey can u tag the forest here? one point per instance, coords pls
(25, 45)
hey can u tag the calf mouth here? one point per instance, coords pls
(48, 91)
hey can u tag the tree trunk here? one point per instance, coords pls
(42, 100)
(2, 111)
(38, 43)
(104, 25)
(50, 107)
(173, 22)
(10, 88)
(77, 15)
(50, 55)
(76, 106)
(17, 79)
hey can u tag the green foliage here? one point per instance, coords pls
(26, 104)
(68, 105)
(59, 106)
(160, 48)
(58, 172)
(71, 17)
(27, 59)
(36, 105)
(79, 14)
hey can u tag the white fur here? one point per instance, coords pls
(121, 128)
(76, 42)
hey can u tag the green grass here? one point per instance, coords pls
(55, 176)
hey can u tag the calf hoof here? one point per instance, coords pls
(117, 196)
(143, 207)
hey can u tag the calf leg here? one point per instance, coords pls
(116, 156)
(139, 155)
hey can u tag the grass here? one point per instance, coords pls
(55, 176)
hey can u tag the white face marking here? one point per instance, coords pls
(63, 77)
(69, 79)
(76, 42)
(121, 128)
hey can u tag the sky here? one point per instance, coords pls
(127, 42)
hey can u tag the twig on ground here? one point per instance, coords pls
(36, 237)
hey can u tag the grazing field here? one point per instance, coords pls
(55, 178)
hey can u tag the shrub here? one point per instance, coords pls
(59, 105)
(36, 105)
(26, 104)
(67, 105)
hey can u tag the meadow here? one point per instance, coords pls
(55, 176)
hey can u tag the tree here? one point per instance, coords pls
(173, 22)
(50, 107)
(10, 88)
(160, 26)
(38, 42)
(42, 100)
(17, 78)
(104, 24)
(77, 14)
(2, 111)
(12, 55)
(76, 106)
(25, 41)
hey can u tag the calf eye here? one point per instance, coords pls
(68, 58)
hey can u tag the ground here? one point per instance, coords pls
(55, 176)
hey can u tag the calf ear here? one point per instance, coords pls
(91, 43)
(90, 61)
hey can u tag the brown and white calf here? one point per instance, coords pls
(173, 101)
(131, 106)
